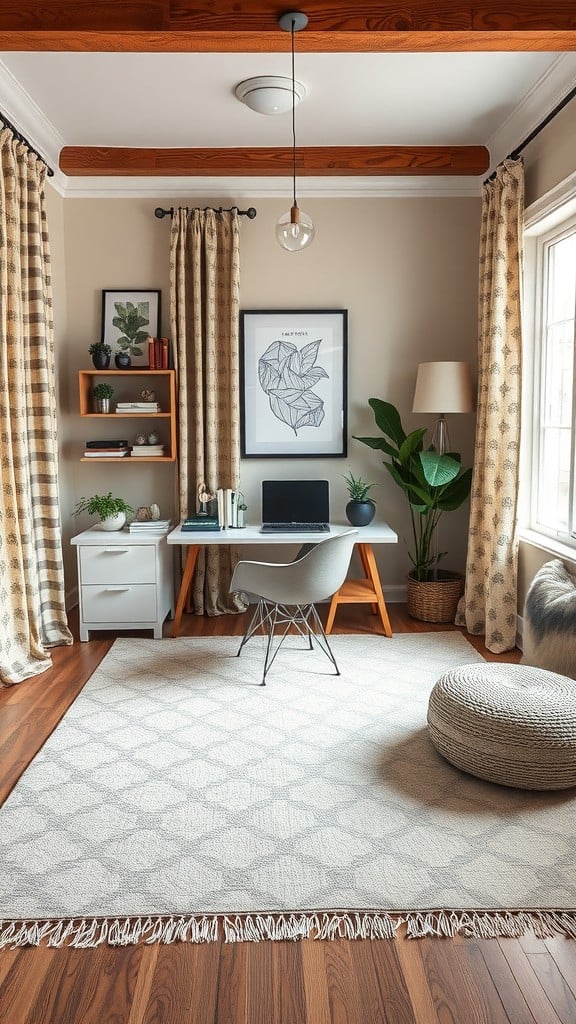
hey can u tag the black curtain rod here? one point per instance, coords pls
(250, 212)
(22, 138)
(536, 131)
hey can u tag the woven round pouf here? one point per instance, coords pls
(510, 724)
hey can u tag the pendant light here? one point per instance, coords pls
(294, 229)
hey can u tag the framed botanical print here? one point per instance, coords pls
(293, 383)
(129, 317)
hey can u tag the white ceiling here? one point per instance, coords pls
(356, 99)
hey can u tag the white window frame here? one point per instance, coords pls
(548, 219)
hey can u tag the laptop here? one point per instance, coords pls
(298, 506)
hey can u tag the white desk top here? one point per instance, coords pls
(375, 533)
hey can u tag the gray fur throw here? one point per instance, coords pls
(550, 620)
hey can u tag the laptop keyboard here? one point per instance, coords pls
(295, 528)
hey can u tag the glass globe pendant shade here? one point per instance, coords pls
(294, 229)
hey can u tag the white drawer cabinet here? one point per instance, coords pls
(124, 581)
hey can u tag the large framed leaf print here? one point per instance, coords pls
(293, 383)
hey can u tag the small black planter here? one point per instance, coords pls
(122, 360)
(100, 361)
(360, 513)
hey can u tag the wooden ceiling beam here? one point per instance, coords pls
(67, 41)
(252, 25)
(268, 162)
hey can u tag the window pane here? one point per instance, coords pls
(554, 479)
(562, 280)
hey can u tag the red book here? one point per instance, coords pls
(158, 353)
(164, 353)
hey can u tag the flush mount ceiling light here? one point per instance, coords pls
(269, 94)
(294, 229)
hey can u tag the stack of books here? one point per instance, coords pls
(227, 507)
(139, 408)
(200, 522)
(115, 449)
(148, 451)
(158, 353)
(149, 526)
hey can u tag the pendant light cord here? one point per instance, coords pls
(293, 117)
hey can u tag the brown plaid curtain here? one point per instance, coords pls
(32, 613)
(204, 312)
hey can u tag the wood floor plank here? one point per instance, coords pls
(232, 996)
(505, 983)
(383, 988)
(562, 951)
(143, 984)
(540, 1006)
(343, 981)
(558, 992)
(29, 978)
(315, 982)
(409, 954)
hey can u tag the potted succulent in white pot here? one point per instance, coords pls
(111, 511)
(433, 484)
(361, 508)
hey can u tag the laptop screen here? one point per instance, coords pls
(295, 501)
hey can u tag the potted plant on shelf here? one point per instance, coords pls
(361, 508)
(111, 511)
(433, 483)
(102, 393)
(100, 352)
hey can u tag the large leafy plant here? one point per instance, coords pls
(433, 483)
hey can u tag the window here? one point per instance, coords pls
(553, 477)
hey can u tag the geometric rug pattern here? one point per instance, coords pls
(176, 785)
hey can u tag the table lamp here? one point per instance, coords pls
(443, 387)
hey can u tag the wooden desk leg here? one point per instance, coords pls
(373, 575)
(362, 554)
(331, 613)
(185, 586)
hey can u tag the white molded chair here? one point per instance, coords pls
(288, 592)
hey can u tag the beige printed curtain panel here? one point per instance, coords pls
(489, 603)
(32, 613)
(204, 313)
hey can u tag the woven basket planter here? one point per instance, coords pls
(435, 600)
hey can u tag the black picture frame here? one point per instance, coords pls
(294, 383)
(146, 301)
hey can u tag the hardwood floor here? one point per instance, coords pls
(423, 981)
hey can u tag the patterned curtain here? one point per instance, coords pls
(204, 313)
(489, 603)
(32, 613)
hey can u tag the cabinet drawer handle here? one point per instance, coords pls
(116, 551)
(116, 590)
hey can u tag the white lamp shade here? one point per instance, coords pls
(443, 387)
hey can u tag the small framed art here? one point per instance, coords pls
(129, 317)
(293, 391)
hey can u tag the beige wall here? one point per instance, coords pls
(406, 270)
(549, 159)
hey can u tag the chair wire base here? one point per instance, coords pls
(276, 620)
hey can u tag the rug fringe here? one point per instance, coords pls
(87, 933)
(490, 924)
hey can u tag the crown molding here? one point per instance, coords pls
(542, 98)
(237, 191)
(20, 108)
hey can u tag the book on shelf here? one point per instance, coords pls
(148, 408)
(158, 353)
(114, 443)
(147, 451)
(105, 453)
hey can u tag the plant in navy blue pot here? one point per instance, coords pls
(361, 508)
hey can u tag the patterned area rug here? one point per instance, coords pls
(179, 800)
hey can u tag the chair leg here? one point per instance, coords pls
(271, 616)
